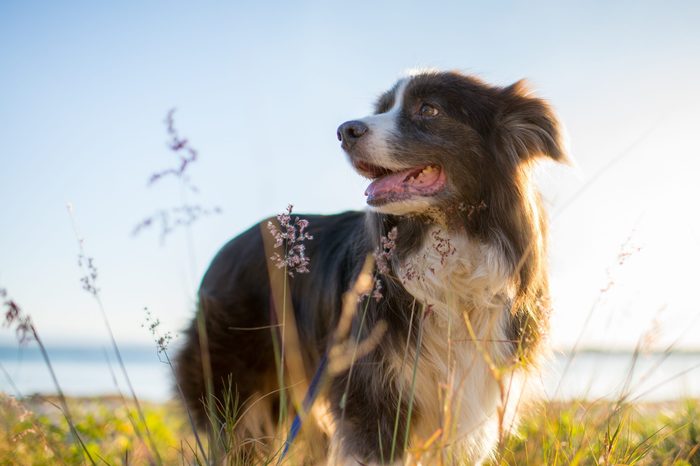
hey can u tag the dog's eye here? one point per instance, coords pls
(428, 111)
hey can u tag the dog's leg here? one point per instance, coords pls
(366, 409)
(336, 457)
(241, 370)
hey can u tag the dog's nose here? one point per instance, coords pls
(350, 131)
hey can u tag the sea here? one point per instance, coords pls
(589, 374)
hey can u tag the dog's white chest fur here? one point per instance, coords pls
(463, 287)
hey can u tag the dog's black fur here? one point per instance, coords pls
(235, 296)
(484, 140)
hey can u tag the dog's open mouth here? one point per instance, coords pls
(388, 186)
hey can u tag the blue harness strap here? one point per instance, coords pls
(309, 398)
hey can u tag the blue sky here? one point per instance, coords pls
(260, 88)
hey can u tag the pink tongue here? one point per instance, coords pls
(396, 182)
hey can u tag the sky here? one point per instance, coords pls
(260, 88)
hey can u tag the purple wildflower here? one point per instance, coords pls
(377, 291)
(169, 220)
(443, 246)
(186, 214)
(471, 209)
(181, 147)
(410, 273)
(24, 328)
(153, 324)
(385, 250)
(290, 235)
(89, 280)
(382, 257)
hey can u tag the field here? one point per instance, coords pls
(585, 433)
(119, 430)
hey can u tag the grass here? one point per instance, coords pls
(123, 431)
(607, 433)
(33, 431)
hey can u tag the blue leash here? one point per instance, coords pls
(309, 398)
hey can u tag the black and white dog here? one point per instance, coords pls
(465, 300)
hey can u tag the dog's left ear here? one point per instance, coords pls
(528, 127)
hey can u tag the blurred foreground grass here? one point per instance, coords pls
(587, 433)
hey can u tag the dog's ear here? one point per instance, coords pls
(528, 127)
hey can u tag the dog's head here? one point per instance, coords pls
(438, 140)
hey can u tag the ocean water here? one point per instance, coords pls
(589, 375)
(85, 371)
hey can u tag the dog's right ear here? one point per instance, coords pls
(528, 127)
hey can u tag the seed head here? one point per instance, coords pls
(24, 328)
(384, 252)
(290, 235)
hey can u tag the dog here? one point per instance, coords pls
(459, 230)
